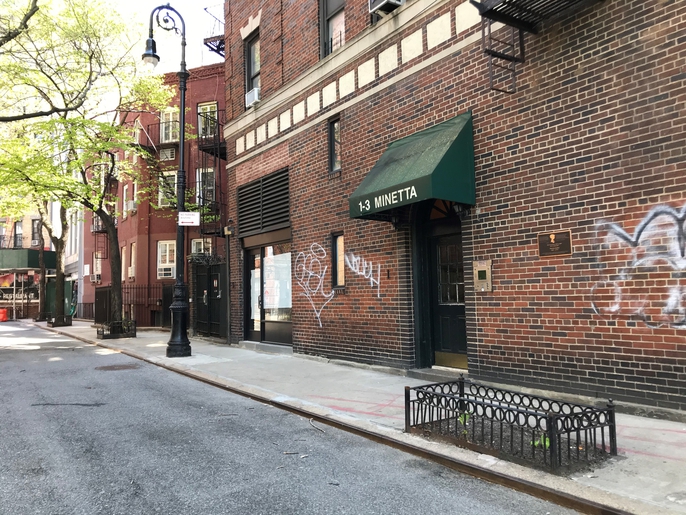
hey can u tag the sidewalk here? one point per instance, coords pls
(648, 476)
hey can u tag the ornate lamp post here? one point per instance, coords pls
(166, 18)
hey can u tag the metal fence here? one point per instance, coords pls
(85, 311)
(147, 304)
(526, 428)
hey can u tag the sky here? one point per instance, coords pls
(199, 25)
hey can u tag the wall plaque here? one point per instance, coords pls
(555, 243)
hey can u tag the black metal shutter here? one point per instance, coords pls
(264, 205)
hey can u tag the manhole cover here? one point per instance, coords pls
(119, 367)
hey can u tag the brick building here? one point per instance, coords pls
(403, 198)
(147, 215)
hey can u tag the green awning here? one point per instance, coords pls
(25, 259)
(436, 163)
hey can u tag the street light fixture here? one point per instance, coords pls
(179, 345)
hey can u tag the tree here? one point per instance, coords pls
(14, 22)
(51, 65)
(69, 155)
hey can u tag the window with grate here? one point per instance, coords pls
(331, 25)
(264, 205)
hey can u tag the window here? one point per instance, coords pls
(124, 200)
(18, 235)
(123, 263)
(169, 126)
(252, 62)
(204, 185)
(167, 193)
(166, 259)
(332, 25)
(97, 264)
(338, 257)
(167, 154)
(132, 267)
(207, 119)
(35, 230)
(201, 246)
(335, 145)
(3, 241)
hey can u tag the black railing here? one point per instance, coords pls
(123, 329)
(157, 134)
(58, 321)
(526, 428)
(147, 304)
(337, 41)
(211, 133)
(86, 311)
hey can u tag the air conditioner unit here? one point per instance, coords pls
(131, 205)
(384, 6)
(95, 278)
(252, 97)
(35, 243)
(132, 271)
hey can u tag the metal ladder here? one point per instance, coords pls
(504, 51)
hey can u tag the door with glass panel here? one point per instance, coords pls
(448, 302)
(268, 303)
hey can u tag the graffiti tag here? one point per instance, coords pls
(310, 273)
(366, 269)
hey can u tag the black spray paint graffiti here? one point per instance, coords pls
(310, 273)
(652, 288)
(365, 268)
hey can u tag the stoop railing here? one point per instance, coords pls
(519, 427)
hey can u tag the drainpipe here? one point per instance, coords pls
(228, 231)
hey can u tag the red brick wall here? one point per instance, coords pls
(594, 136)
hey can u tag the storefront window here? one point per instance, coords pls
(277, 283)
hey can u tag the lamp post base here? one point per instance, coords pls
(179, 346)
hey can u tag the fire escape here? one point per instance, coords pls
(211, 190)
(504, 46)
(216, 42)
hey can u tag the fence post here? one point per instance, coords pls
(407, 409)
(613, 427)
(551, 429)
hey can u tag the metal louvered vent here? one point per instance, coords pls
(264, 205)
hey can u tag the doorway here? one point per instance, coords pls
(268, 295)
(440, 286)
(210, 300)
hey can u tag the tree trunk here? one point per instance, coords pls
(42, 280)
(60, 244)
(115, 265)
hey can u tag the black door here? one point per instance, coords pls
(210, 301)
(449, 327)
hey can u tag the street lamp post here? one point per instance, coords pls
(178, 345)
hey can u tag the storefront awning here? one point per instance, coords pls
(436, 163)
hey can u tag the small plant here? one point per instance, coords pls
(464, 418)
(543, 441)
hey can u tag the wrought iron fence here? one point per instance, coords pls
(85, 311)
(147, 304)
(123, 329)
(520, 427)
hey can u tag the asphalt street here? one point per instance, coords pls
(86, 430)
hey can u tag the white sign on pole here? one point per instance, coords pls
(189, 218)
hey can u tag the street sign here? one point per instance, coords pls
(189, 218)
